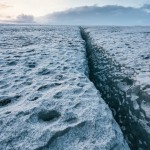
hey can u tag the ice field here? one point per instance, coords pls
(74, 88)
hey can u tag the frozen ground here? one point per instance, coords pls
(119, 60)
(46, 98)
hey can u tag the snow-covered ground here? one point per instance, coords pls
(120, 67)
(46, 98)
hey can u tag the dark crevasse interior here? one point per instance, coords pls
(117, 89)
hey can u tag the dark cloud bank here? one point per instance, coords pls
(94, 15)
(25, 19)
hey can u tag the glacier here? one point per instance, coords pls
(47, 101)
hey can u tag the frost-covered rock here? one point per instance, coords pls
(46, 99)
(119, 59)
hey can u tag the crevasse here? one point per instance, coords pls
(119, 91)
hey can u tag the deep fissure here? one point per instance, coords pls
(99, 74)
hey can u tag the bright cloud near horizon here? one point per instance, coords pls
(10, 9)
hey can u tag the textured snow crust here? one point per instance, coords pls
(46, 99)
(119, 59)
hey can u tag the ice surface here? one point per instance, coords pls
(46, 98)
(119, 60)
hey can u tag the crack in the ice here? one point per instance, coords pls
(115, 97)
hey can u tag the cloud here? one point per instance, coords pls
(21, 19)
(24, 19)
(146, 7)
(91, 15)
(94, 15)
(4, 6)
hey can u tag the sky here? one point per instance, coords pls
(20, 11)
(10, 9)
